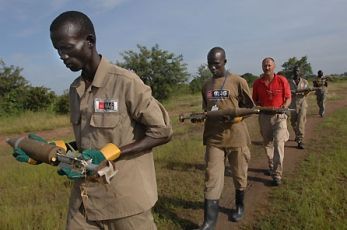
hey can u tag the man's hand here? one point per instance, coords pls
(93, 154)
(109, 152)
(21, 156)
(69, 173)
(90, 154)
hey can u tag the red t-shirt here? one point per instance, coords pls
(273, 95)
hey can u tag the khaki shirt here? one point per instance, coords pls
(117, 108)
(231, 91)
(298, 100)
(321, 82)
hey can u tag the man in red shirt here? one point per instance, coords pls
(273, 90)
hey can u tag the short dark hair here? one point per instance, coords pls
(75, 17)
(216, 50)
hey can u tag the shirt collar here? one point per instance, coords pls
(101, 72)
(262, 78)
(99, 78)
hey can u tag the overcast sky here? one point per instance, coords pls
(248, 30)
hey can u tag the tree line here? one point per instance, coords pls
(163, 71)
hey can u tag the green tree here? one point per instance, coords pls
(13, 87)
(61, 104)
(202, 75)
(38, 98)
(16, 94)
(288, 67)
(250, 78)
(158, 68)
(11, 79)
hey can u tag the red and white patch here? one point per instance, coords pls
(105, 105)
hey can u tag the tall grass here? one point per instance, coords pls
(31, 121)
(32, 197)
(35, 197)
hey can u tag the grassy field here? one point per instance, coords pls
(35, 197)
(317, 197)
(30, 121)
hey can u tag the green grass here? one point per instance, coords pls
(317, 197)
(30, 121)
(35, 197)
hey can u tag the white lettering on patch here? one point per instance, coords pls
(105, 105)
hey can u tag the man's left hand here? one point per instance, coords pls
(95, 155)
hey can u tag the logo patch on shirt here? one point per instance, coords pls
(105, 105)
(217, 94)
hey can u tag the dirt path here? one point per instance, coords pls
(259, 185)
(259, 188)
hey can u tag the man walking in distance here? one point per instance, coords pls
(109, 104)
(224, 139)
(299, 104)
(321, 93)
(273, 90)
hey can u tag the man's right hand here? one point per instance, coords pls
(69, 173)
(20, 154)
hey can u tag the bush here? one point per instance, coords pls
(250, 78)
(38, 98)
(61, 104)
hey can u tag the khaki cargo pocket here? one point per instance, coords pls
(281, 132)
(105, 120)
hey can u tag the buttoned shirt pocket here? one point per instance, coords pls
(103, 129)
(105, 120)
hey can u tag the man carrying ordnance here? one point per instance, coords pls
(273, 90)
(321, 93)
(109, 105)
(224, 138)
(34, 150)
(300, 89)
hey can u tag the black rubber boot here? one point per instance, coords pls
(300, 145)
(210, 215)
(237, 214)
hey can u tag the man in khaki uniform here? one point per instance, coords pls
(321, 93)
(299, 103)
(110, 106)
(224, 139)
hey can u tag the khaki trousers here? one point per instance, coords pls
(142, 221)
(274, 130)
(298, 121)
(215, 167)
(321, 99)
